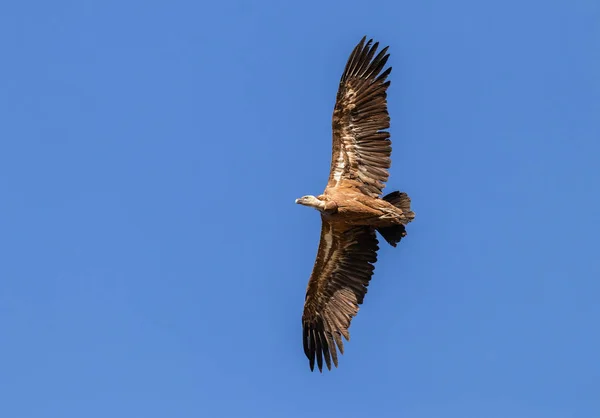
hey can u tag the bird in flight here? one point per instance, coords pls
(351, 206)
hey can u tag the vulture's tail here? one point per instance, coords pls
(393, 234)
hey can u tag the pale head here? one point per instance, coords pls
(311, 201)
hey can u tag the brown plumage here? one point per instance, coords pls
(351, 206)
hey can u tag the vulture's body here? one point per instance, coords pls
(351, 206)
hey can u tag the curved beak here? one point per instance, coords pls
(296, 201)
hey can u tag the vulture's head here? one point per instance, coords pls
(310, 201)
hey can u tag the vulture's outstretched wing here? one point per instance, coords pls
(343, 268)
(361, 148)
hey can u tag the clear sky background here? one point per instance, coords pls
(153, 263)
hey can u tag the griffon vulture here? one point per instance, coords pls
(351, 206)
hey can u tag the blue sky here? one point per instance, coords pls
(154, 263)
